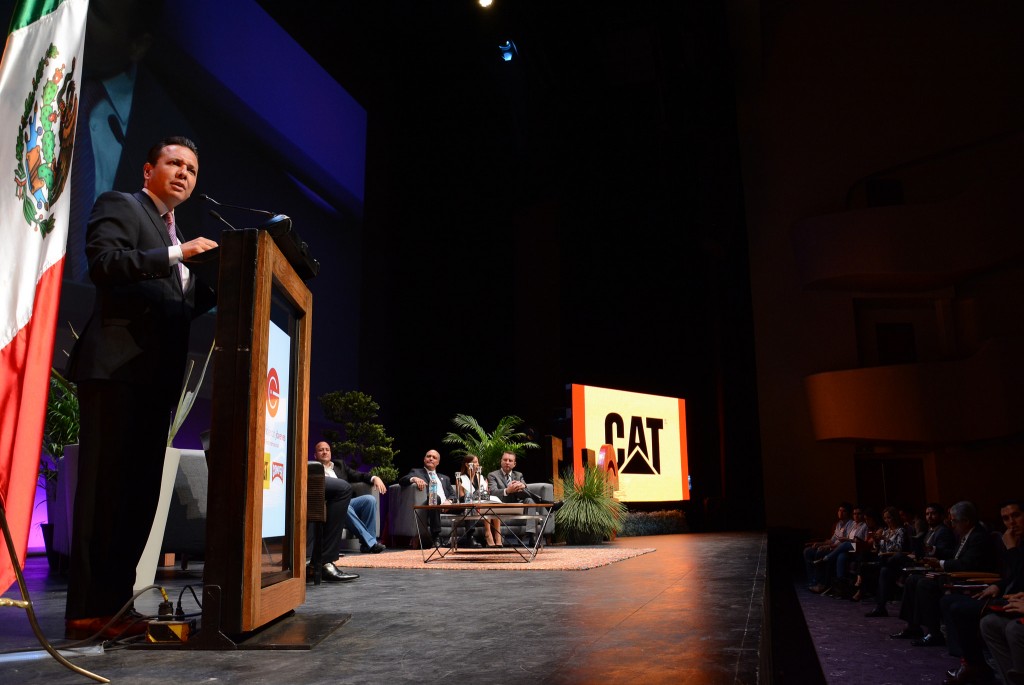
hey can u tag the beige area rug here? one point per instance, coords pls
(550, 558)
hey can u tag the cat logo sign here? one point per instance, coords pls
(638, 439)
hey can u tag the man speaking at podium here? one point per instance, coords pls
(129, 364)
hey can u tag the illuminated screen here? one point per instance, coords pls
(275, 441)
(647, 434)
(278, 499)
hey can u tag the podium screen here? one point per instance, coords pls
(278, 460)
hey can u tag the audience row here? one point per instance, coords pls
(959, 584)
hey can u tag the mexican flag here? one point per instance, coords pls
(39, 76)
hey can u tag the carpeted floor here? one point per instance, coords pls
(855, 650)
(550, 558)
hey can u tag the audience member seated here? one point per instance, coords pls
(962, 613)
(922, 592)
(886, 543)
(939, 542)
(1003, 633)
(835, 565)
(819, 549)
(915, 525)
(470, 485)
(419, 478)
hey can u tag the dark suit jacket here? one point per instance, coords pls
(1013, 571)
(978, 553)
(419, 472)
(347, 473)
(944, 542)
(139, 328)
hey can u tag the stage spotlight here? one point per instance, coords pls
(508, 51)
(486, 3)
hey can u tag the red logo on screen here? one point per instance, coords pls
(273, 393)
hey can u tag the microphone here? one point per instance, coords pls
(221, 219)
(206, 197)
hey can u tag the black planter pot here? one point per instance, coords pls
(574, 538)
(53, 558)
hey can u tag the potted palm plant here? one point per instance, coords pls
(489, 447)
(60, 431)
(590, 513)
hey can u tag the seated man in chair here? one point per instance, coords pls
(420, 477)
(361, 514)
(507, 485)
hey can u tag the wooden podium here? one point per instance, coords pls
(256, 517)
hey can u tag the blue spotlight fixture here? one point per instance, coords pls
(508, 51)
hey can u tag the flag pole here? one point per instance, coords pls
(26, 603)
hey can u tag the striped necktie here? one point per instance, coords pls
(169, 221)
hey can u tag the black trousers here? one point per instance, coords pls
(920, 607)
(122, 442)
(337, 495)
(962, 616)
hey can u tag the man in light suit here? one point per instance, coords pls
(507, 484)
(420, 477)
(129, 364)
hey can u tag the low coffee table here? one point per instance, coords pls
(466, 515)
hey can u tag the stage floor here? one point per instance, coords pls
(690, 612)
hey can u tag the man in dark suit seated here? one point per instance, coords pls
(420, 478)
(962, 613)
(939, 541)
(338, 499)
(921, 594)
(129, 363)
(361, 516)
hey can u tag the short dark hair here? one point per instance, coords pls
(936, 506)
(154, 152)
(1010, 501)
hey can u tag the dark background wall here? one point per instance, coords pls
(574, 215)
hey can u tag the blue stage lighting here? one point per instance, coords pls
(508, 50)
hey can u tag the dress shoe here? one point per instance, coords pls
(130, 624)
(335, 575)
(376, 549)
(930, 640)
(876, 613)
(555, 506)
(967, 674)
(906, 634)
(817, 589)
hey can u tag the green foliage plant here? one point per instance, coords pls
(60, 428)
(590, 513)
(639, 523)
(473, 439)
(362, 442)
